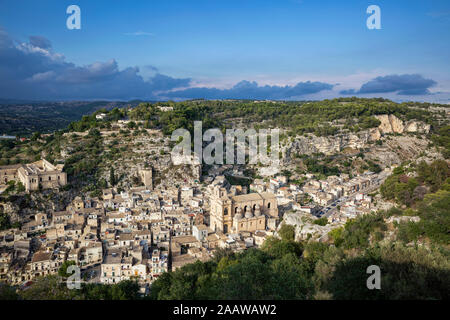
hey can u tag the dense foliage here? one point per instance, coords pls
(427, 196)
(315, 117)
(54, 287)
(284, 269)
(407, 190)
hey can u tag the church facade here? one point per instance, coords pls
(35, 175)
(247, 212)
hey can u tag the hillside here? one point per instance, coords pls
(404, 230)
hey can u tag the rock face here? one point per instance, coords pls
(305, 228)
(327, 145)
(403, 219)
(416, 126)
(11, 210)
(391, 124)
(375, 134)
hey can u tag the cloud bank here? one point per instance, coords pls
(32, 70)
(251, 90)
(405, 84)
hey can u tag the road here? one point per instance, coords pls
(333, 206)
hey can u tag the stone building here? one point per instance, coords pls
(247, 212)
(147, 177)
(35, 175)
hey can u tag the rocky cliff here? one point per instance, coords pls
(337, 143)
(391, 124)
(327, 145)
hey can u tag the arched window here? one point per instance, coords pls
(245, 209)
(254, 207)
(235, 210)
(225, 211)
(268, 205)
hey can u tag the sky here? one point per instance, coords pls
(219, 49)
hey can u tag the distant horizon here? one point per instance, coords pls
(21, 101)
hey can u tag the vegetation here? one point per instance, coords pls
(54, 288)
(321, 221)
(409, 190)
(285, 269)
(357, 233)
(63, 269)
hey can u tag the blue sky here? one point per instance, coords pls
(225, 49)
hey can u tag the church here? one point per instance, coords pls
(247, 212)
(36, 175)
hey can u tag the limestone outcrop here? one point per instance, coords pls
(305, 228)
(327, 145)
(391, 124)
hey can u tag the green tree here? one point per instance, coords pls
(7, 292)
(112, 177)
(287, 232)
(63, 269)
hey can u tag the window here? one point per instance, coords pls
(245, 209)
(254, 207)
(225, 211)
(268, 205)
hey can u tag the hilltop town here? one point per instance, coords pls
(133, 215)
